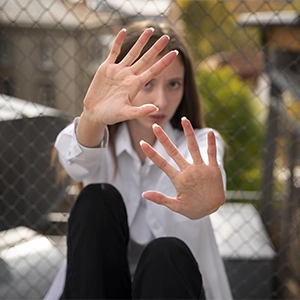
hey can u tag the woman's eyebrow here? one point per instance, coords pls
(177, 78)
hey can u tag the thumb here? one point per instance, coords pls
(143, 110)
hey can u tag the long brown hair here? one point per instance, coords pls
(190, 105)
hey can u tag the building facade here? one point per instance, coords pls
(50, 51)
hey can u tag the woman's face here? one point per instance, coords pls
(165, 91)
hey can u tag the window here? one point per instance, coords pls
(5, 53)
(6, 86)
(46, 95)
(46, 57)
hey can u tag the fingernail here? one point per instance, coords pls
(147, 105)
(124, 29)
(154, 125)
(177, 52)
(183, 118)
(142, 142)
(151, 28)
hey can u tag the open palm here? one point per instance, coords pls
(109, 97)
(199, 186)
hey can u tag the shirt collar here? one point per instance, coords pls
(123, 141)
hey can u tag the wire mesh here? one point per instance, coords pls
(247, 62)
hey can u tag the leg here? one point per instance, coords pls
(98, 234)
(167, 270)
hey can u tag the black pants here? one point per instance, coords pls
(97, 266)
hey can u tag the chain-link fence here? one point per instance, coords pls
(248, 66)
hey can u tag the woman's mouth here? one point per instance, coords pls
(157, 118)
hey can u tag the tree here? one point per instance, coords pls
(210, 27)
(230, 108)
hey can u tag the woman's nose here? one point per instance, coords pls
(160, 98)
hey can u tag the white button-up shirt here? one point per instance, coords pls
(146, 219)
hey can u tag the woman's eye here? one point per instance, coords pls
(175, 84)
(147, 85)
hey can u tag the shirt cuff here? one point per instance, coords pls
(103, 143)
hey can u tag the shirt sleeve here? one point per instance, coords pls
(77, 160)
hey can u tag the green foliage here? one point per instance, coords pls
(211, 27)
(208, 26)
(229, 108)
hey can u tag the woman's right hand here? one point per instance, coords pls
(114, 86)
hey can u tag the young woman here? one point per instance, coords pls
(135, 142)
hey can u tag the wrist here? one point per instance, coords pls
(91, 120)
(88, 132)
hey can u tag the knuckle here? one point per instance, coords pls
(163, 164)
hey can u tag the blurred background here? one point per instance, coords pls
(247, 58)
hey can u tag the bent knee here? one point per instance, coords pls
(167, 245)
(95, 199)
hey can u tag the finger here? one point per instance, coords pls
(135, 51)
(170, 148)
(116, 47)
(134, 112)
(161, 199)
(159, 66)
(191, 141)
(151, 54)
(212, 149)
(158, 160)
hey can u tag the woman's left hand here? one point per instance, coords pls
(199, 186)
